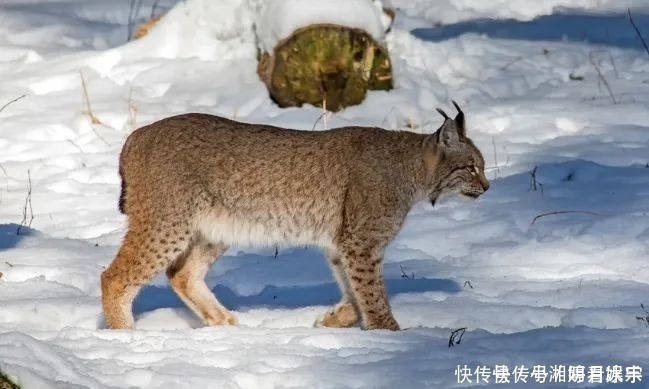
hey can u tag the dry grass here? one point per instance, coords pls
(145, 27)
(11, 102)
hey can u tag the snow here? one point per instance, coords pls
(565, 289)
(453, 11)
(278, 19)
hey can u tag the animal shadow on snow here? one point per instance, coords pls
(609, 29)
(295, 279)
(10, 236)
(301, 278)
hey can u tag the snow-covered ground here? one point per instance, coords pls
(565, 289)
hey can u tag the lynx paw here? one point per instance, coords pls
(342, 315)
(225, 318)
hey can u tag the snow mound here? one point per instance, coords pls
(279, 18)
(208, 30)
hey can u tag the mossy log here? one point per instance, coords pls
(5, 382)
(324, 63)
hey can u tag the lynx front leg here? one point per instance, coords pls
(364, 273)
(344, 314)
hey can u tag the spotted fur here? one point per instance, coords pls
(195, 184)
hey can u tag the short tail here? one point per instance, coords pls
(122, 195)
(122, 161)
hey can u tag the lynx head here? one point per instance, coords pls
(454, 161)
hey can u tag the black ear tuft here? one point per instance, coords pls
(442, 113)
(459, 110)
(459, 119)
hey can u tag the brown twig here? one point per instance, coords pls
(28, 205)
(324, 111)
(133, 12)
(404, 275)
(456, 337)
(385, 119)
(132, 111)
(537, 217)
(535, 185)
(637, 31)
(611, 58)
(645, 318)
(70, 141)
(88, 111)
(317, 120)
(11, 102)
(602, 79)
(510, 63)
(4, 171)
(154, 6)
(497, 168)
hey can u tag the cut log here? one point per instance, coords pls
(325, 64)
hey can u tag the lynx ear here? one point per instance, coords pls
(452, 130)
(459, 120)
(448, 133)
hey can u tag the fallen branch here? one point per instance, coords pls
(637, 31)
(537, 217)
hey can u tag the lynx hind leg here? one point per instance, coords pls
(344, 313)
(147, 250)
(187, 277)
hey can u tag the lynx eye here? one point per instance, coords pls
(472, 170)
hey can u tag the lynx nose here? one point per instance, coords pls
(485, 184)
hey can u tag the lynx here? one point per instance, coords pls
(195, 184)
